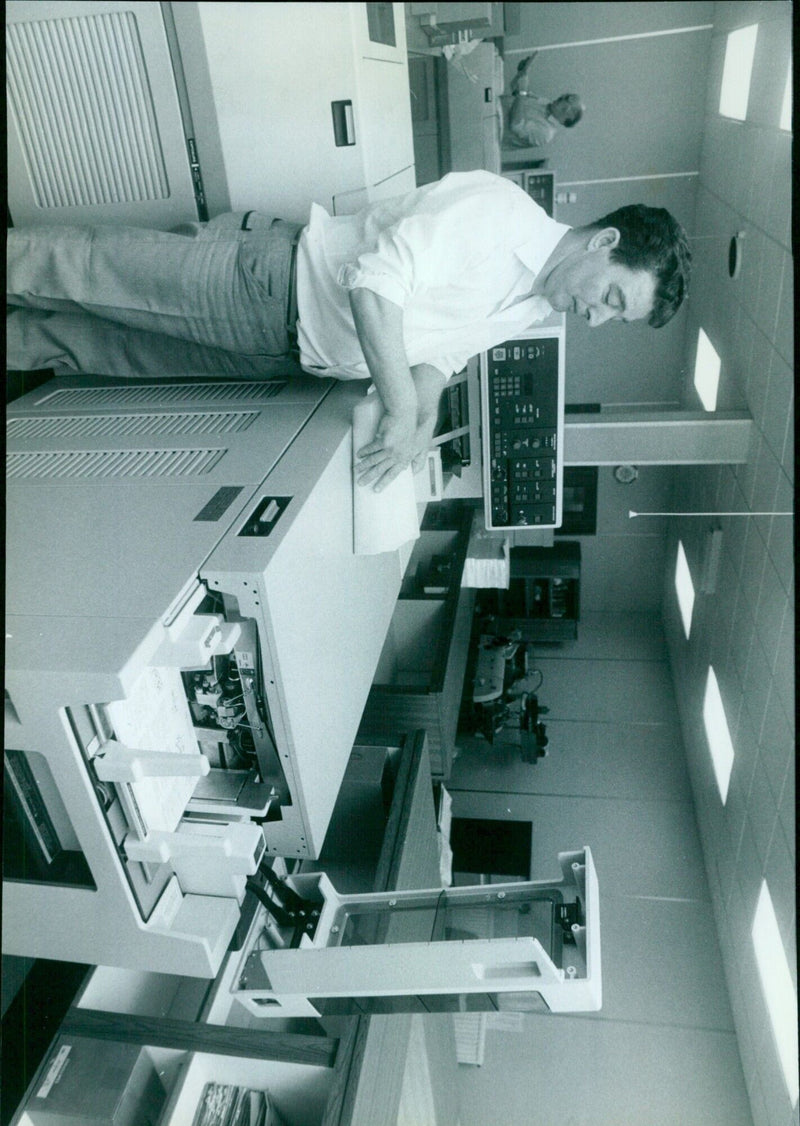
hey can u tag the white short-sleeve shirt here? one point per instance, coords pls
(459, 256)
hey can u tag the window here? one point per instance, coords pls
(706, 372)
(684, 589)
(776, 982)
(718, 734)
(786, 108)
(380, 23)
(736, 72)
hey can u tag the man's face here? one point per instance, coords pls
(590, 285)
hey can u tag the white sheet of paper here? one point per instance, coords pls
(381, 521)
(156, 717)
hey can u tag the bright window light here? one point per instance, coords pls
(718, 734)
(779, 992)
(786, 108)
(735, 91)
(684, 589)
(706, 372)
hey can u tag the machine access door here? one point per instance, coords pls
(118, 492)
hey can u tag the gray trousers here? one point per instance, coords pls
(206, 299)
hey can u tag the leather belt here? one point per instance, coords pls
(291, 307)
(291, 304)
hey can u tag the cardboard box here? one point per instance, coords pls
(88, 1082)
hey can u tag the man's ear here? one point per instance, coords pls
(605, 239)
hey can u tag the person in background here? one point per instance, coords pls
(404, 292)
(533, 121)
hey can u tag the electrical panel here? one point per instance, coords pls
(523, 417)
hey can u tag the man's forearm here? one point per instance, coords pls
(379, 324)
(429, 383)
(410, 397)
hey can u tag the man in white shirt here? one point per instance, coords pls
(533, 121)
(403, 292)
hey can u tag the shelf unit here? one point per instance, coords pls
(350, 1072)
(300, 1091)
(420, 672)
(543, 597)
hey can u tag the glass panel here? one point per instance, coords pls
(367, 1006)
(526, 915)
(427, 1003)
(39, 842)
(528, 1002)
(460, 1002)
(380, 23)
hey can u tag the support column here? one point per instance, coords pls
(657, 438)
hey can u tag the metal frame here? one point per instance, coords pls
(292, 982)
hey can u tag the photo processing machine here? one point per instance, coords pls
(181, 592)
(514, 946)
(181, 586)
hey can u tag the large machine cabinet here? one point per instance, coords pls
(195, 111)
(180, 573)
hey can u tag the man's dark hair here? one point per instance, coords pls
(650, 239)
(576, 111)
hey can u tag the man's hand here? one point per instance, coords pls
(410, 396)
(396, 445)
(523, 74)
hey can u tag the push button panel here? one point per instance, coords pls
(523, 398)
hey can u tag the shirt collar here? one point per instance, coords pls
(547, 233)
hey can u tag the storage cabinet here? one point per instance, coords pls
(474, 110)
(298, 1091)
(300, 1088)
(217, 118)
(420, 673)
(352, 1072)
(174, 1087)
(543, 597)
(284, 153)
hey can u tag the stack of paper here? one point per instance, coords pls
(225, 1104)
(156, 717)
(381, 521)
(488, 562)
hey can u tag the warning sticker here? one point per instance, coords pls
(57, 1065)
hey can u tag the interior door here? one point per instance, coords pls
(95, 133)
(426, 119)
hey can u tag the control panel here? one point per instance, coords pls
(522, 387)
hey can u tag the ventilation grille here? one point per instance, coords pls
(84, 77)
(112, 463)
(130, 425)
(160, 395)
